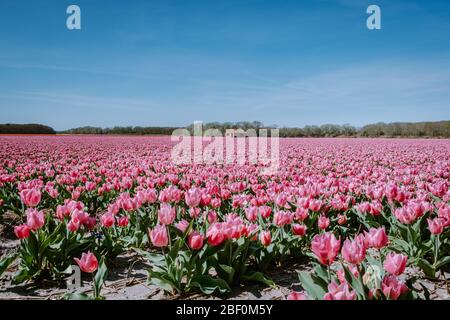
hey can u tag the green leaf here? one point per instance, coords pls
(161, 282)
(6, 262)
(155, 258)
(227, 269)
(314, 290)
(356, 283)
(259, 277)
(22, 275)
(208, 285)
(100, 278)
(440, 263)
(76, 296)
(427, 268)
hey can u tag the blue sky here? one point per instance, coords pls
(172, 62)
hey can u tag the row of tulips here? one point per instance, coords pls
(361, 210)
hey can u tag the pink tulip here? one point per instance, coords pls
(88, 262)
(215, 234)
(22, 231)
(392, 287)
(73, 225)
(35, 219)
(376, 238)
(323, 222)
(354, 252)
(265, 238)
(123, 221)
(193, 197)
(342, 219)
(195, 240)
(436, 225)
(251, 213)
(395, 263)
(182, 225)
(166, 214)
(299, 229)
(339, 292)
(158, 236)
(30, 197)
(265, 211)
(212, 217)
(294, 295)
(107, 220)
(325, 247)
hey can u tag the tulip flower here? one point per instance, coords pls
(159, 236)
(265, 238)
(30, 197)
(88, 262)
(195, 240)
(436, 225)
(395, 263)
(299, 229)
(376, 238)
(294, 295)
(325, 247)
(393, 288)
(354, 251)
(35, 219)
(166, 214)
(339, 292)
(22, 231)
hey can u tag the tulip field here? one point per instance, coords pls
(356, 218)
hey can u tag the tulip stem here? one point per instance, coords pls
(329, 273)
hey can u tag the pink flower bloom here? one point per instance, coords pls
(354, 252)
(195, 240)
(166, 214)
(107, 220)
(323, 222)
(339, 292)
(265, 211)
(35, 219)
(282, 218)
(22, 231)
(73, 225)
(392, 287)
(251, 213)
(265, 238)
(193, 197)
(88, 262)
(299, 229)
(395, 263)
(215, 234)
(123, 221)
(90, 223)
(325, 247)
(436, 225)
(376, 238)
(216, 203)
(342, 219)
(212, 217)
(294, 295)
(62, 211)
(158, 236)
(30, 197)
(301, 214)
(182, 225)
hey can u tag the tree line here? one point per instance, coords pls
(31, 128)
(396, 129)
